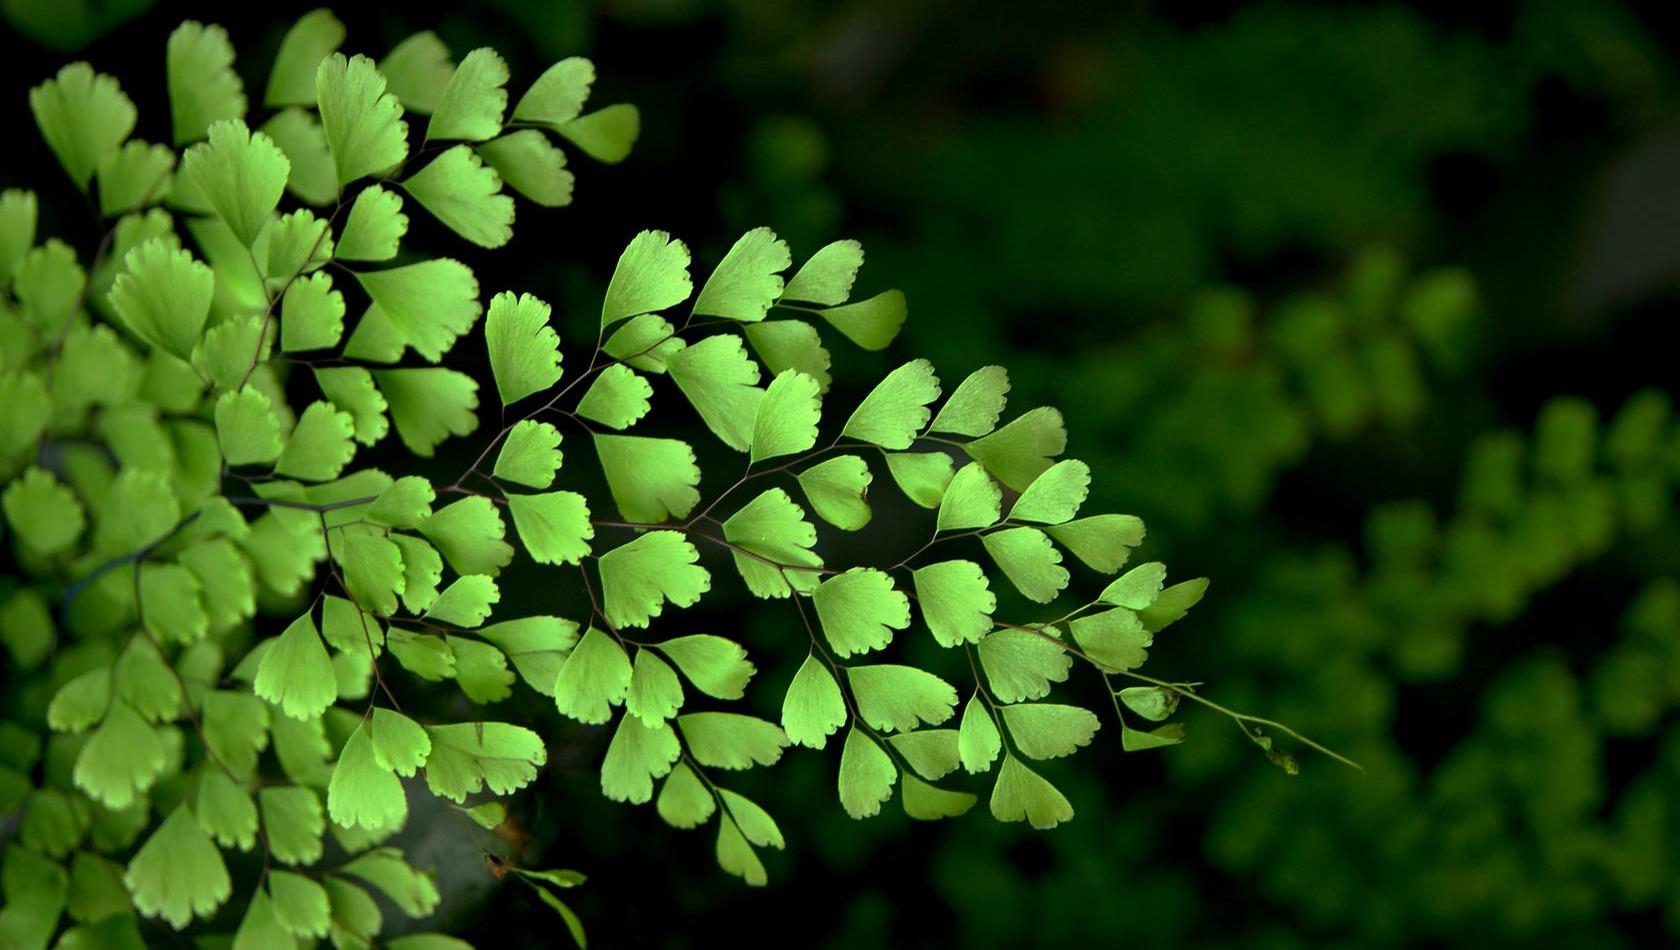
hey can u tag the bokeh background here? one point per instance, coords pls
(1362, 306)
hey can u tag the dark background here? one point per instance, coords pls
(1144, 211)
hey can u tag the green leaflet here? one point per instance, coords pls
(351, 389)
(134, 176)
(524, 349)
(229, 350)
(1049, 730)
(558, 94)
(975, 405)
(374, 228)
(1137, 588)
(469, 534)
(296, 673)
(932, 753)
(320, 444)
(826, 278)
(727, 740)
(363, 123)
(867, 775)
(538, 647)
(638, 577)
(785, 345)
(838, 490)
(786, 419)
(607, 134)
(472, 104)
(1021, 450)
(466, 195)
(430, 303)
(813, 707)
(956, 601)
(1029, 560)
(291, 81)
(616, 397)
(978, 740)
(311, 314)
(1114, 638)
(481, 670)
(721, 382)
(1021, 794)
(872, 323)
(748, 279)
(924, 802)
(922, 476)
(300, 904)
(241, 174)
(650, 479)
(298, 243)
(646, 341)
(313, 180)
(683, 801)
(530, 454)
(640, 752)
(429, 405)
(718, 667)
(593, 679)
(531, 165)
(246, 428)
(896, 698)
(163, 296)
(470, 756)
(178, 874)
(418, 69)
(1103, 542)
(895, 411)
(1173, 603)
(399, 743)
(652, 274)
(466, 602)
(84, 116)
(1154, 703)
(45, 514)
(226, 810)
(972, 500)
(774, 541)
(554, 527)
(1021, 664)
(362, 793)
(655, 691)
(859, 610)
(122, 759)
(203, 88)
(294, 822)
(1055, 495)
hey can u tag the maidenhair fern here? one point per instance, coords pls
(211, 598)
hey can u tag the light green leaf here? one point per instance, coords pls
(419, 69)
(558, 94)
(838, 490)
(313, 180)
(652, 274)
(235, 728)
(872, 323)
(363, 123)
(956, 600)
(298, 243)
(291, 816)
(736, 856)
(178, 874)
(859, 610)
(84, 116)
(655, 692)
(133, 177)
(1055, 495)
(470, 756)
(640, 751)
(530, 455)
(427, 657)
(774, 541)
(19, 210)
(466, 195)
(473, 102)
(373, 567)
(616, 397)
(1029, 560)
(718, 667)
(554, 526)
(320, 444)
(24, 412)
(1173, 603)
(978, 741)
(242, 175)
(375, 227)
(466, 602)
(1115, 638)
(1021, 664)
(1023, 795)
(351, 388)
(787, 416)
(607, 134)
(411, 890)
(487, 815)
(538, 647)
(932, 753)
(1154, 703)
(163, 296)
(1103, 542)
(524, 349)
(121, 760)
(481, 670)
(726, 740)
(651, 479)
(594, 678)
(296, 673)
(1020, 451)
(813, 707)
(46, 515)
(311, 314)
(246, 427)
(972, 500)
(1137, 588)
(403, 504)
(790, 344)
(683, 801)
(826, 278)
(431, 303)
(975, 405)
(646, 342)
(469, 534)
(721, 381)
(422, 569)
(895, 698)
(81, 702)
(924, 802)
(867, 774)
(1139, 740)
(748, 279)
(226, 810)
(203, 87)
(896, 409)
(300, 904)
(1049, 730)
(399, 743)
(231, 349)
(146, 683)
(531, 165)
(429, 405)
(291, 82)
(636, 578)
(362, 793)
